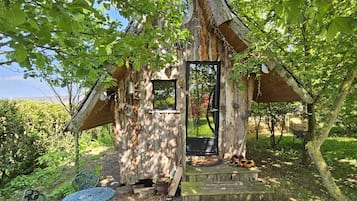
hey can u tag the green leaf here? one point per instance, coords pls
(340, 24)
(75, 26)
(293, 14)
(81, 4)
(15, 15)
(33, 24)
(92, 74)
(20, 54)
(323, 6)
(294, 17)
(64, 23)
(120, 62)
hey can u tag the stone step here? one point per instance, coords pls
(223, 172)
(234, 190)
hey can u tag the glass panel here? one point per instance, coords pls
(201, 100)
(164, 94)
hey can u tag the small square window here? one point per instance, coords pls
(164, 92)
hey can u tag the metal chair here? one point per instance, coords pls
(85, 179)
(33, 195)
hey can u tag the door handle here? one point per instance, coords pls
(214, 110)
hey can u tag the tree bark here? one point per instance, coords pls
(76, 148)
(311, 129)
(318, 138)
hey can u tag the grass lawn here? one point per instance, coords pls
(281, 167)
(200, 128)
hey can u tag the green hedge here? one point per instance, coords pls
(27, 131)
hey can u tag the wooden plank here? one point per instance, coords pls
(224, 188)
(144, 190)
(220, 11)
(175, 181)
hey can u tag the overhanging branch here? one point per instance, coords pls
(7, 62)
(345, 87)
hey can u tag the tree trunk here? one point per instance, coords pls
(257, 126)
(311, 129)
(318, 139)
(76, 148)
(326, 176)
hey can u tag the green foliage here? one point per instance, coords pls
(44, 179)
(106, 138)
(315, 39)
(53, 158)
(29, 130)
(347, 121)
(18, 149)
(274, 115)
(41, 124)
(247, 63)
(72, 41)
(62, 190)
(296, 184)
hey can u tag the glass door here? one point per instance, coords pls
(202, 111)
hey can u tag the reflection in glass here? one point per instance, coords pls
(201, 99)
(164, 92)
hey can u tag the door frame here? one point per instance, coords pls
(200, 144)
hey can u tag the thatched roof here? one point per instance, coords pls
(279, 85)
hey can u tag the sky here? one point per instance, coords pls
(13, 85)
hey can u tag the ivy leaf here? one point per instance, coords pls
(339, 24)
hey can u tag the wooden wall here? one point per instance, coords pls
(150, 142)
(208, 45)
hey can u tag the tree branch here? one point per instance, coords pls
(319, 94)
(5, 43)
(345, 87)
(7, 62)
(49, 83)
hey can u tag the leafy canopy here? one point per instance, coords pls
(65, 41)
(313, 38)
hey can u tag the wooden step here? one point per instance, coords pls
(234, 190)
(223, 172)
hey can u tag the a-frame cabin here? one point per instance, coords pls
(188, 108)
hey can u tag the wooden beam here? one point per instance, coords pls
(175, 181)
(84, 111)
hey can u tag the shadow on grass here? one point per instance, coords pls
(281, 167)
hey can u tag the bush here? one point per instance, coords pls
(18, 149)
(47, 122)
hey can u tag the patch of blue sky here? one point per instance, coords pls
(14, 85)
